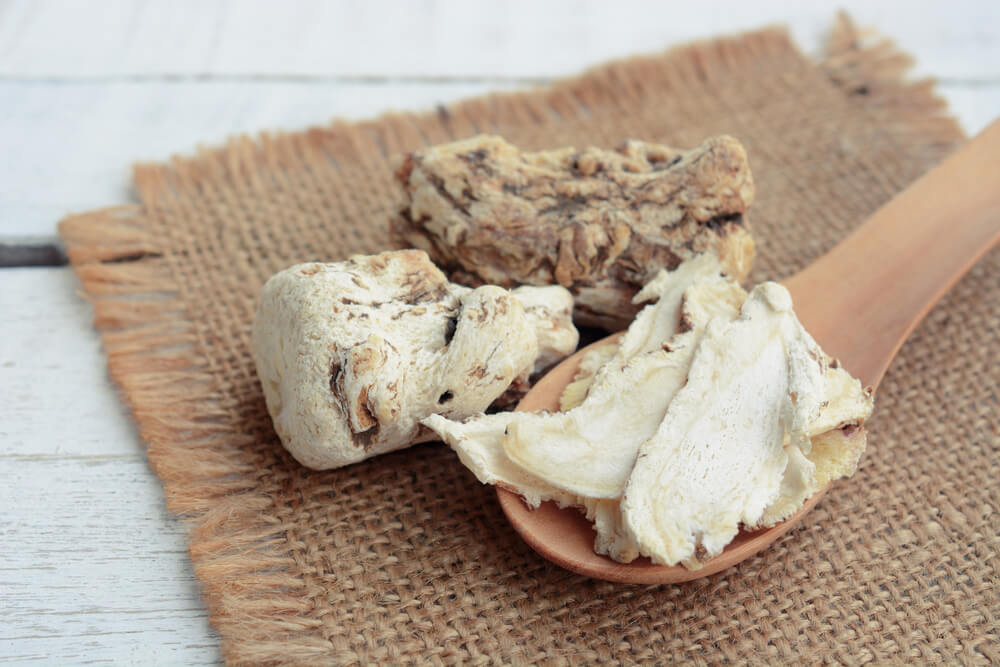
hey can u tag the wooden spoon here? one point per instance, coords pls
(859, 301)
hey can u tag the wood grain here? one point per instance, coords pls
(69, 147)
(447, 39)
(864, 297)
(91, 566)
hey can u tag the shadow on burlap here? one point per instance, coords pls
(406, 557)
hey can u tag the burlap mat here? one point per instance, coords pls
(406, 558)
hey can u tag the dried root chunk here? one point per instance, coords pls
(352, 355)
(652, 327)
(612, 540)
(835, 454)
(716, 411)
(591, 361)
(590, 450)
(550, 313)
(837, 438)
(843, 400)
(734, 440)
(601, 223)
(480, 442)
(836, 442)
(479, 445)
(832, 455)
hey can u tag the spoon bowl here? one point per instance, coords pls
(859, 301)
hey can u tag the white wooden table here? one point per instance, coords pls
(92, 569)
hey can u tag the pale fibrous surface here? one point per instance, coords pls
(601, 223)
(479, 444)
(715, 411)
(734, 439)
(352, 355)
(591, 449)
(599, 451)
(591, 361)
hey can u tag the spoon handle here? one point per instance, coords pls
(864, 297)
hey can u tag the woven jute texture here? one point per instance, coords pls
(407, 558)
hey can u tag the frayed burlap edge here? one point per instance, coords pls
(155, 356)
(872, 71)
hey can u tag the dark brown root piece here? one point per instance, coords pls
(600, 223)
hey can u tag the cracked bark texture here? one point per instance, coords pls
(599, 222)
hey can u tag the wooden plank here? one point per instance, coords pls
(58, 401)
(385, 38)
(68, 147)
(91, 566)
